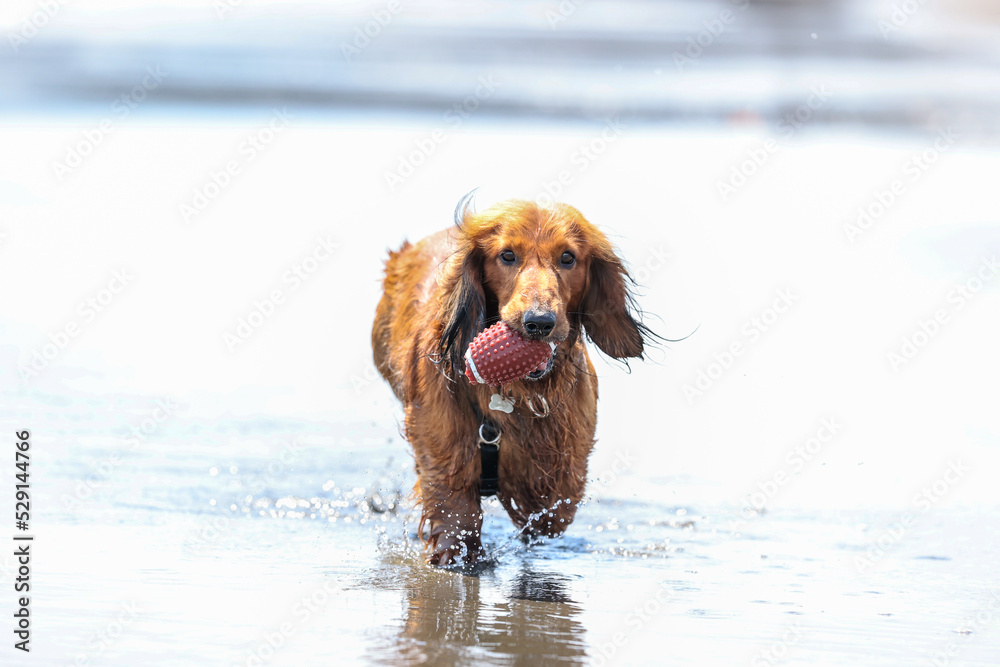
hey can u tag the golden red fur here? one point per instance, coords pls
(537, 268)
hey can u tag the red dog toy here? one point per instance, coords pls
(499, 355)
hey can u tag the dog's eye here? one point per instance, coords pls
(508, 257)
(568, 258)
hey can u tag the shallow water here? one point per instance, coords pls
(201, 550)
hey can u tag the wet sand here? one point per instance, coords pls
(299, 570)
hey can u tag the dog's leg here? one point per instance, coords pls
(455, 521)
(448, 484)
(552, 521)
(546, 510)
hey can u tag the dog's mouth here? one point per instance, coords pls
(544, 368)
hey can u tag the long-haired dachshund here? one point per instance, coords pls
(548, 274)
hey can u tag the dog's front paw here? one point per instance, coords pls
(448, 550)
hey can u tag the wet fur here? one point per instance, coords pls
(438, 295)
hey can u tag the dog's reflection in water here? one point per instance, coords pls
(461, 616)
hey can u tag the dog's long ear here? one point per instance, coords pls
(608, 310)
(465, 308)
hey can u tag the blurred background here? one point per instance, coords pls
(195, 202)
(897, 65)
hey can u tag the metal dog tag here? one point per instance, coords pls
(501, 404)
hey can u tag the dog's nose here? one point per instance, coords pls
(539, 323)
